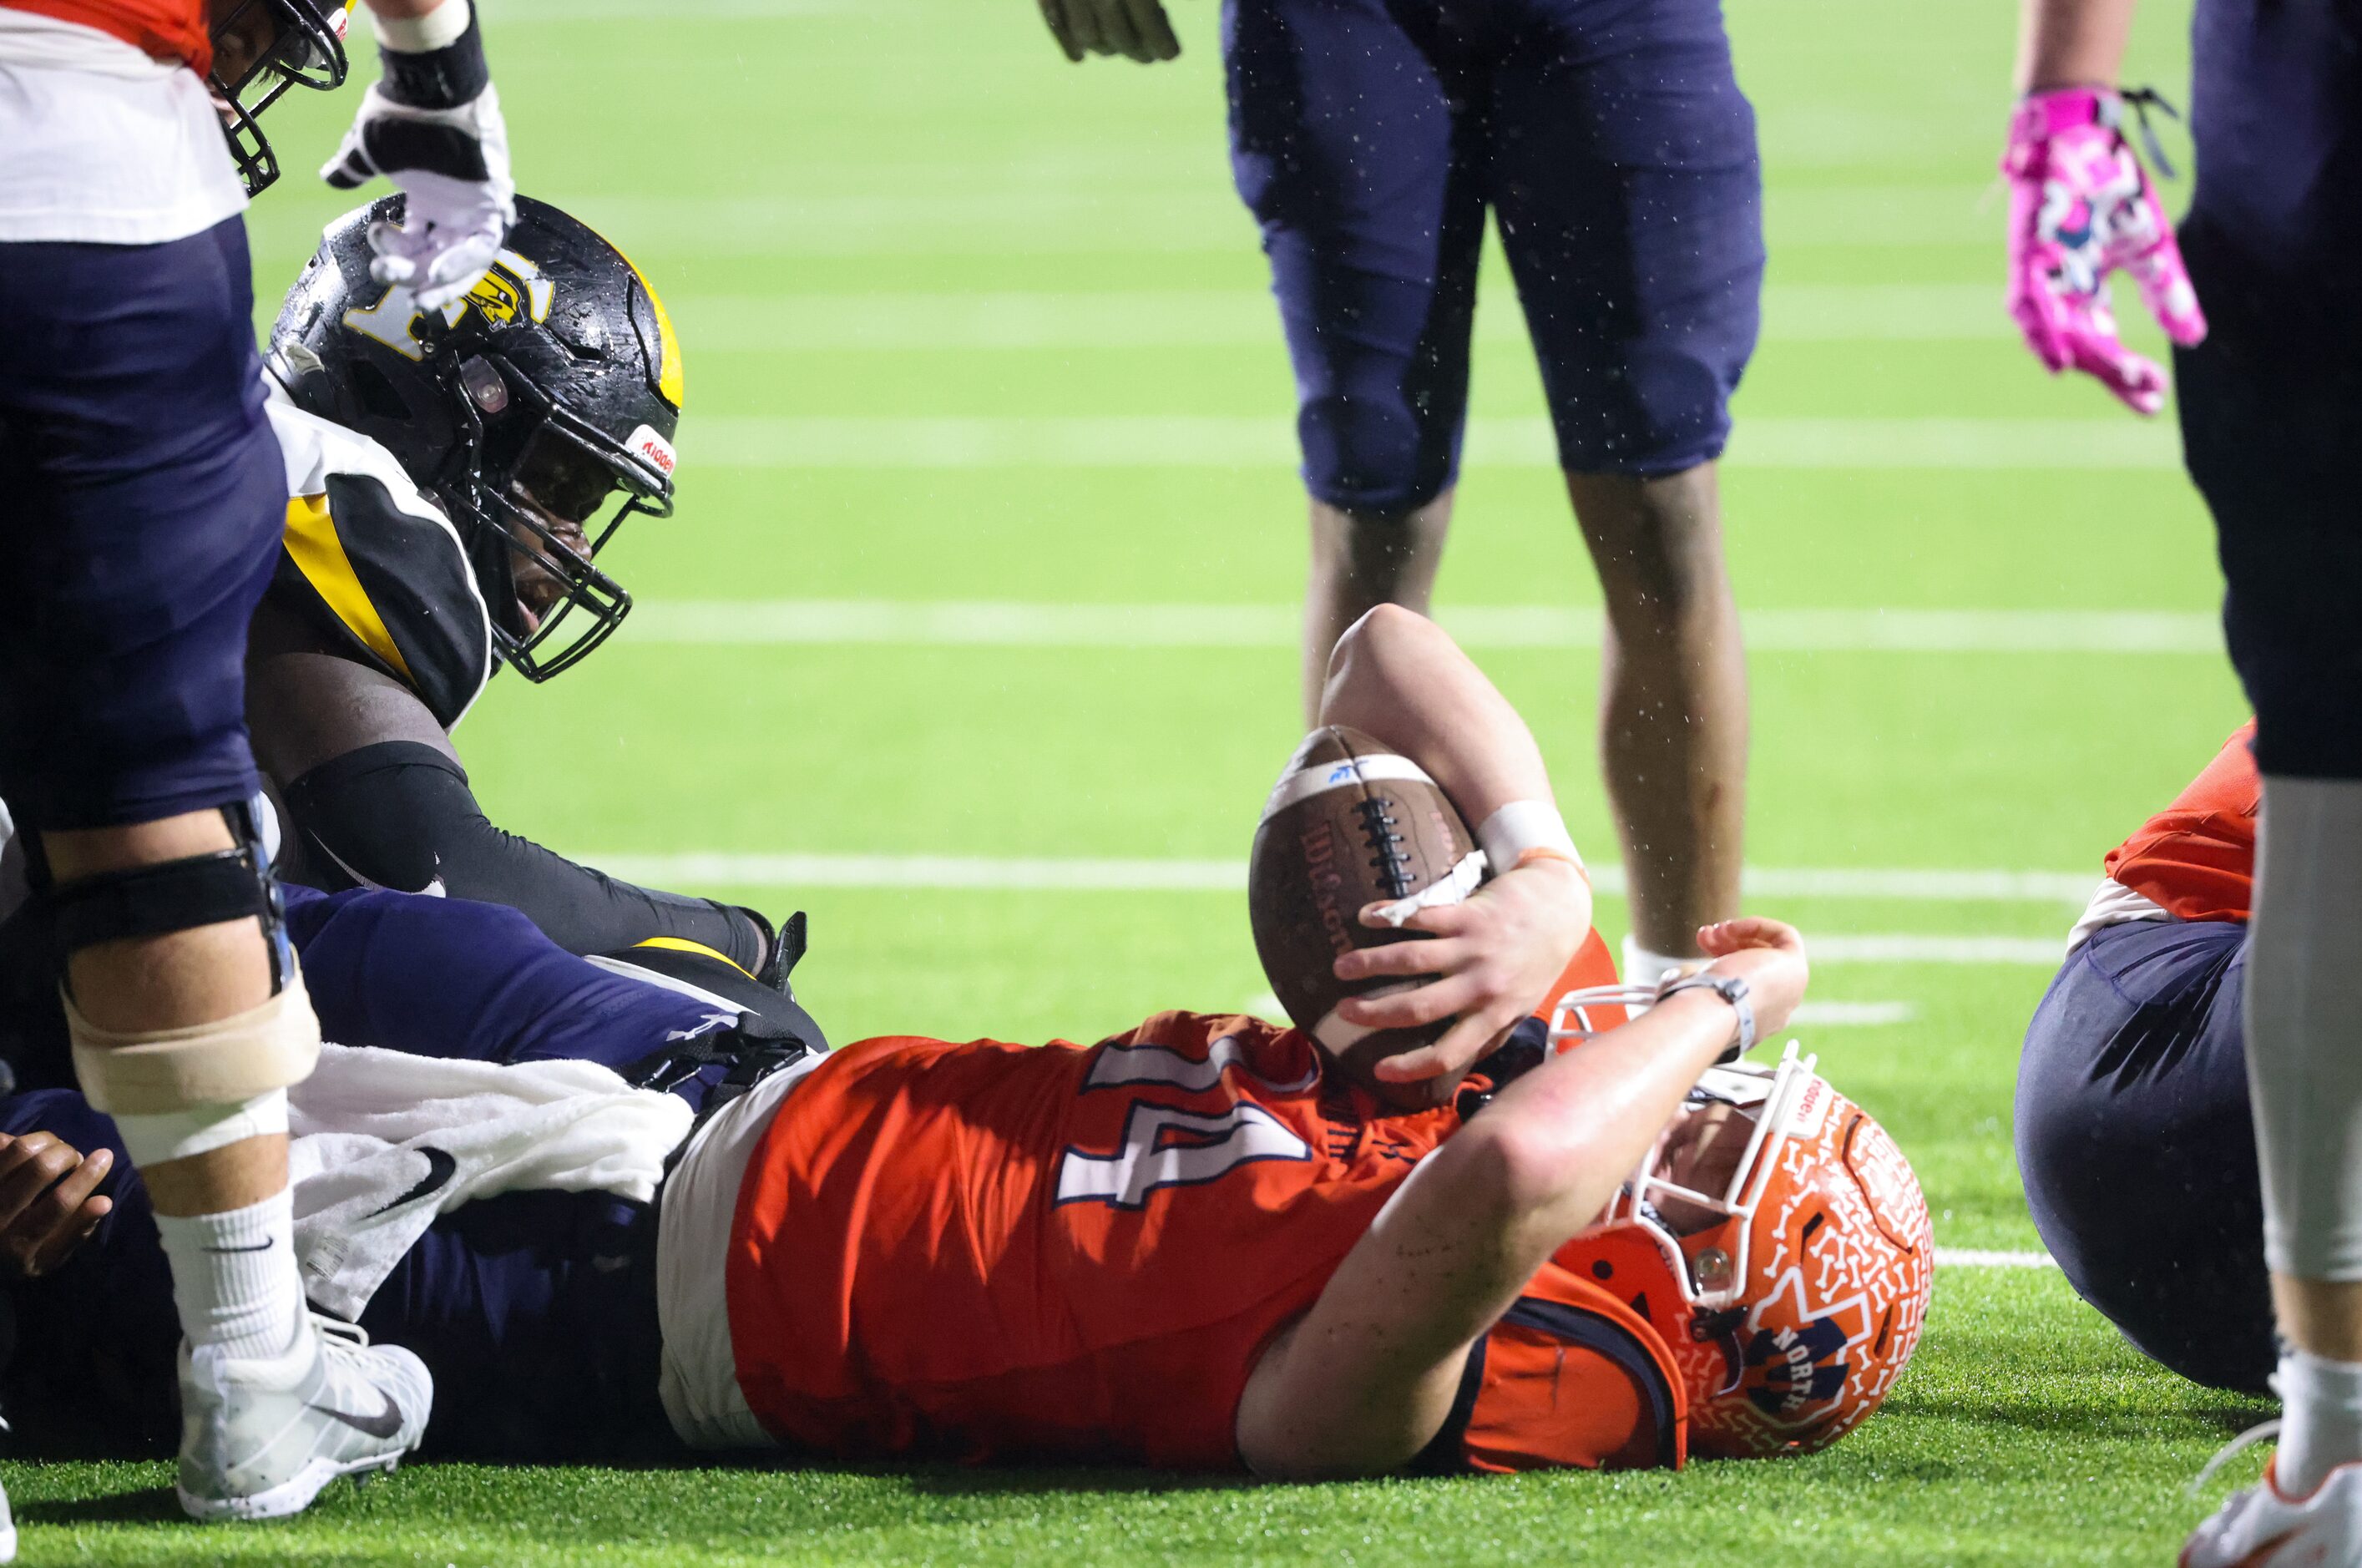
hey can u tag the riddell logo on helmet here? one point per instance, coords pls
(652, 450)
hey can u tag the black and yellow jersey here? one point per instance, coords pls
(373, 564)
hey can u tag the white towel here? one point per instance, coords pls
(384, 1142)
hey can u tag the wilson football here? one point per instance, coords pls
(1350, 822)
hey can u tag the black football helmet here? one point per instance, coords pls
(265, 47)
(539, 410)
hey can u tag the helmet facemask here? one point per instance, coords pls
(263, 48)
(1707, 1240)
(1783, 1254)
(542, 490)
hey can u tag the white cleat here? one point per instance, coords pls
(7, 1529)
(2263, 1525)
(258, 1438)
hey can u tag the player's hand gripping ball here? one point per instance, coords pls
(1349, 823)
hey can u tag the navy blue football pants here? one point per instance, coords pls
(2271, 402)
(535, 1311)
(145, 501)
(1370, 137)
(2136, 1149)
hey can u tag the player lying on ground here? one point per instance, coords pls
(2134, 1128)
(1195, 1244)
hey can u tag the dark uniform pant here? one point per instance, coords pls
(535, 1311)
(1369, 137)
(2271, 402)
(144, 499)
(2135, 1146)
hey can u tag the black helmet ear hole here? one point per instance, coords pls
(377, 394)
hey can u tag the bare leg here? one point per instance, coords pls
(197, 976)
(1361, 560)
(1672, 722)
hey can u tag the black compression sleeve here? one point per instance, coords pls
(400, 814)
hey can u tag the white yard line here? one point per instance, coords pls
(2040, 952)
(1254, 441)
(1016, 210)
(1975, 1257)
(1204, 318)
(1853, 1014)
(1059, 874)
(1002, 624)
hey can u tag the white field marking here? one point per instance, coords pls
(1247, 318)
(1248, 441)
(507, 11)
(954, 872)
(1976, 1257)
(1853, 1014)
(1045, 874)
(987, 212)
(2044, 952)
(1004, 623)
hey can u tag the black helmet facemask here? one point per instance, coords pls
(307, 49)
(540, 491)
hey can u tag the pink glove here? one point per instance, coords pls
(2080, 206)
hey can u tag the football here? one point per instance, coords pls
(1350, 822)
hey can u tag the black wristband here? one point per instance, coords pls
(440, 78)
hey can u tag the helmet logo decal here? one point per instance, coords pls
(512, 290)
(652, 450)
(1785, 1371)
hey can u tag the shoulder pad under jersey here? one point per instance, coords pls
(374, 564)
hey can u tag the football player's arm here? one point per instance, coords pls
(374, 787)
(1363, 1381)
(1399, 677)
(432, 124)
(1136, 29)
(2066, 43)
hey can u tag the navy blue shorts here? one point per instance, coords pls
(1370, 137)
(145, 499)
(2271, 402)
(2136, 1150)
(535, 1311)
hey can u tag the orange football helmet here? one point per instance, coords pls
(1791, 1295)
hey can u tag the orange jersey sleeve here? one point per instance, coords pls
(162, 29)
(2196, 859)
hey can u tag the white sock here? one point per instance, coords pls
(233, 1276)
(2321, 1420)
(1642, 968)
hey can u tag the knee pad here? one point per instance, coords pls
(226, 1062)
(176, 895)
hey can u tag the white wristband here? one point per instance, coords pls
(439, 29)
(1521, 825)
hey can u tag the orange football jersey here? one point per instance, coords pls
(2196, 859)
(163, 30)
(988, 1251)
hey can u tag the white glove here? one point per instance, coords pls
(448, 152)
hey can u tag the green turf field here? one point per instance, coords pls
(983, 569)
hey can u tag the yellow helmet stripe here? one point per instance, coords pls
(312, 543)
